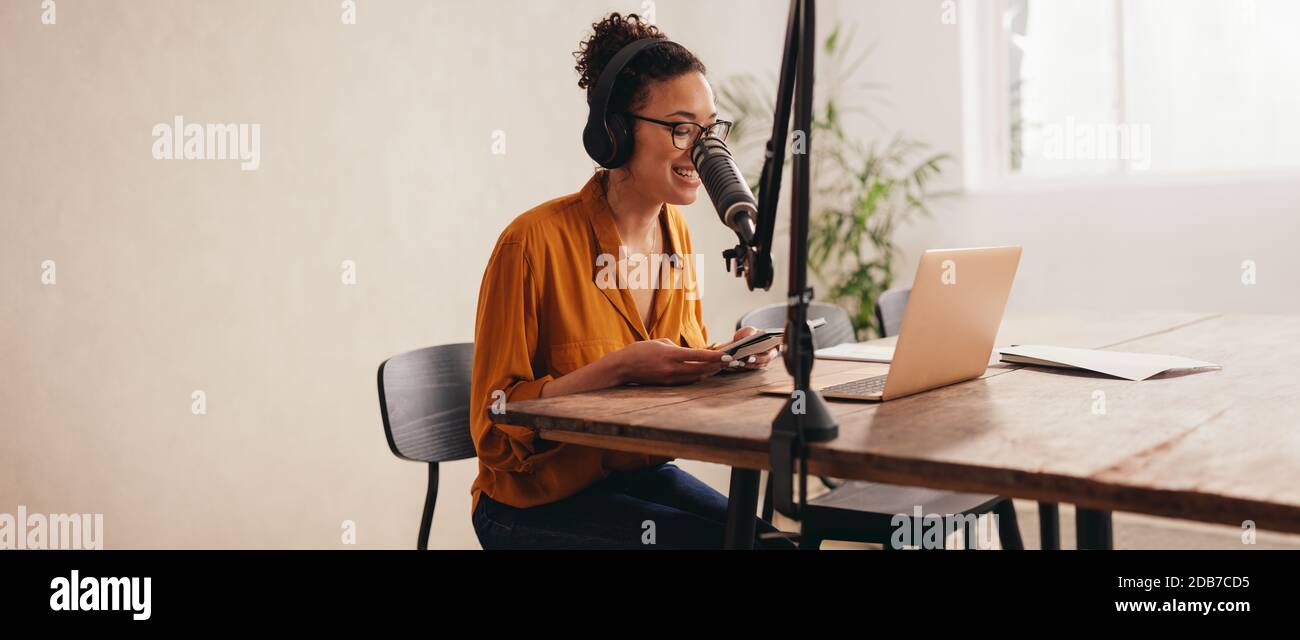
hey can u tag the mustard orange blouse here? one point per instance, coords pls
(552, 301)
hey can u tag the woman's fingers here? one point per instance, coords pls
(703, 368)
(674, 364)
(759, 361)
(702, 355)
(688, 372)
(699, 370)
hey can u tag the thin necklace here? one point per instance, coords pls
(656, 229)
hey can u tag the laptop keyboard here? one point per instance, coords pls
(873, 386)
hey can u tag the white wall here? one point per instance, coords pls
(1153, 242)
(183, 275)
(176, 276)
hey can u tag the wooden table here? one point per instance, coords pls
(1215, 446)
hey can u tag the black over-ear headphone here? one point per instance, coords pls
(608, 136)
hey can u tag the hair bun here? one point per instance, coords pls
(657, 63)
(608, 36)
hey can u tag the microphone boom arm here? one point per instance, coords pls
(769, 181)
(805, 418)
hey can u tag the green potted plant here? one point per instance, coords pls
(862, 193)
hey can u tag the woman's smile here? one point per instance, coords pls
(685, 174)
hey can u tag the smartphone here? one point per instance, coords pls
(761, 342)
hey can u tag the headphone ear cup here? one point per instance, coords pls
(622, 139)
(597, 143)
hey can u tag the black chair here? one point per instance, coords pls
(424, 400)
(889, 313)
(864, 511)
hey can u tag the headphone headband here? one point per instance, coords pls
(604, 144)
(609, 75)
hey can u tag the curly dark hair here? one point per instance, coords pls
(659, 62)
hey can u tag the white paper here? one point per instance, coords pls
(857, 352)
(1121, 364)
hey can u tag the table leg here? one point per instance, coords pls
(742, 500)
(1093, 529)
(1049, 526)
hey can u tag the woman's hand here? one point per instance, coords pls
(758, 361)
(662, 362)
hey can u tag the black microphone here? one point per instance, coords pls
(726, 186)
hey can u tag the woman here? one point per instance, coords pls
(558, 314)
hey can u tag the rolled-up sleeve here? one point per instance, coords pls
(505, 346)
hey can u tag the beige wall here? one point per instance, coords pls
(175, 276)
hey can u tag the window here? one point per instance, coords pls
(1077, 88)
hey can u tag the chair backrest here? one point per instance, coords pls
(424, 400)
(837, 330)
(890, 307)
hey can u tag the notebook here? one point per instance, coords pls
(858, 352)
(1121, 364)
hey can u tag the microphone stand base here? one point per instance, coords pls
(805, 419)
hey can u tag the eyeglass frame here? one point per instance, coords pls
(672, 126)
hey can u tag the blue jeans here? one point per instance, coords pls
(659, 507)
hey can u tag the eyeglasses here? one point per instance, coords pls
(686, 134)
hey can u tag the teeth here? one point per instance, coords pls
(685, 173)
